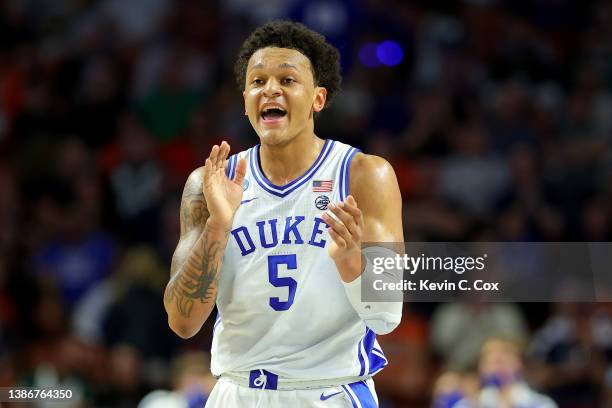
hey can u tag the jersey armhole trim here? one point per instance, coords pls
(230, 172)
(345, 170)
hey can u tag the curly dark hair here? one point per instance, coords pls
(324, 58)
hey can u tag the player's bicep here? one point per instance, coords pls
(374, 185)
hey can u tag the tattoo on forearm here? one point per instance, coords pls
(198, 278)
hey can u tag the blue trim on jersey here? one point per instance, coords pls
(217, 321)
(363, 394)
(360, 358)
(228, 170)
(346, 391)
(343, 172)
(234, 161)
(376, 359)
(233, 172)
(295, 184)
(297, 180)
(341, 175)
(345, 169)
(251, 154)
(347, 173)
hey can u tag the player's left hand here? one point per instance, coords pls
(346, 233)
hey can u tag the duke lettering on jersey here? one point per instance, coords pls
(268, 233)
(277, 279)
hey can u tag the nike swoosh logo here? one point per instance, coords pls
(325, 397)
(246, 201)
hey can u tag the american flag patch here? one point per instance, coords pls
(322, 186)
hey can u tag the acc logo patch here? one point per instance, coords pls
(321, 202)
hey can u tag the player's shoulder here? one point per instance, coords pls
(369, 168)
(373, 184)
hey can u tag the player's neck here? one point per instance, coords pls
(282, 164)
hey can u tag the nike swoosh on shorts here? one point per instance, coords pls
(325, 397)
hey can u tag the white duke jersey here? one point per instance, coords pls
(282, 305)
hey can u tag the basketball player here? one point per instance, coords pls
(272, 236)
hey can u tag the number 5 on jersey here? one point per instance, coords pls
(273, 262)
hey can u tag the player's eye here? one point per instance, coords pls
(257, 81)
(288, 81)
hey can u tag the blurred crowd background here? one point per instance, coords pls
(496, 115)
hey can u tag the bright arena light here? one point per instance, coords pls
(389, 53)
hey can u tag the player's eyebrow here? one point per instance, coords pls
(283, 65)
(287, 65)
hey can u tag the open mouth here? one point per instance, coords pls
(271, 114)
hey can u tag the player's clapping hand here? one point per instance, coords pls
(346, 232)
(222, 194)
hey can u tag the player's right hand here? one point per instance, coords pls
(222, 194)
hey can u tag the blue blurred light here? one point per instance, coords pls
(389, 53)
(368, 55)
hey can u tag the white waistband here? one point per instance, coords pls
(286, 385)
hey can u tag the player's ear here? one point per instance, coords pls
(320, 97)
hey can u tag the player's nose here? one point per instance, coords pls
(272, 88)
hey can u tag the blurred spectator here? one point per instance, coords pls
(138, 288)
(501, 376)
(100, 100)
(126, 377)
(452, 387)
(528, 199)
(191, 382)
(511, 112)
(166, 109)
(134, 25)
(571, 353)
(458, 330)
(184, 154)
(74, 252)
(472, 177)
(428, 133)
(135, 179)
(78, 258)
(53, 358)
